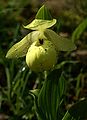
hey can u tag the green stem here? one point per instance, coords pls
(25, 82)
(8, 83)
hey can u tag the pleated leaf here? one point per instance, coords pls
(60, 43)
(77, 112)
(50, 95)
(20, 49)
(43, 13)
(40, 24)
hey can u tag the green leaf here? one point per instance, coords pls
(60, 43)
(50, 95)
(34, 92)
(43, 13)
(77, 111)
(20, 49)
(60, 65)
(79, 30)
(61, 85)
(39, 24)
(67, 116)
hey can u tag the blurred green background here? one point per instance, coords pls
(15, 77)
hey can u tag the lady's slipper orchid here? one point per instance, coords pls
(40, 46)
